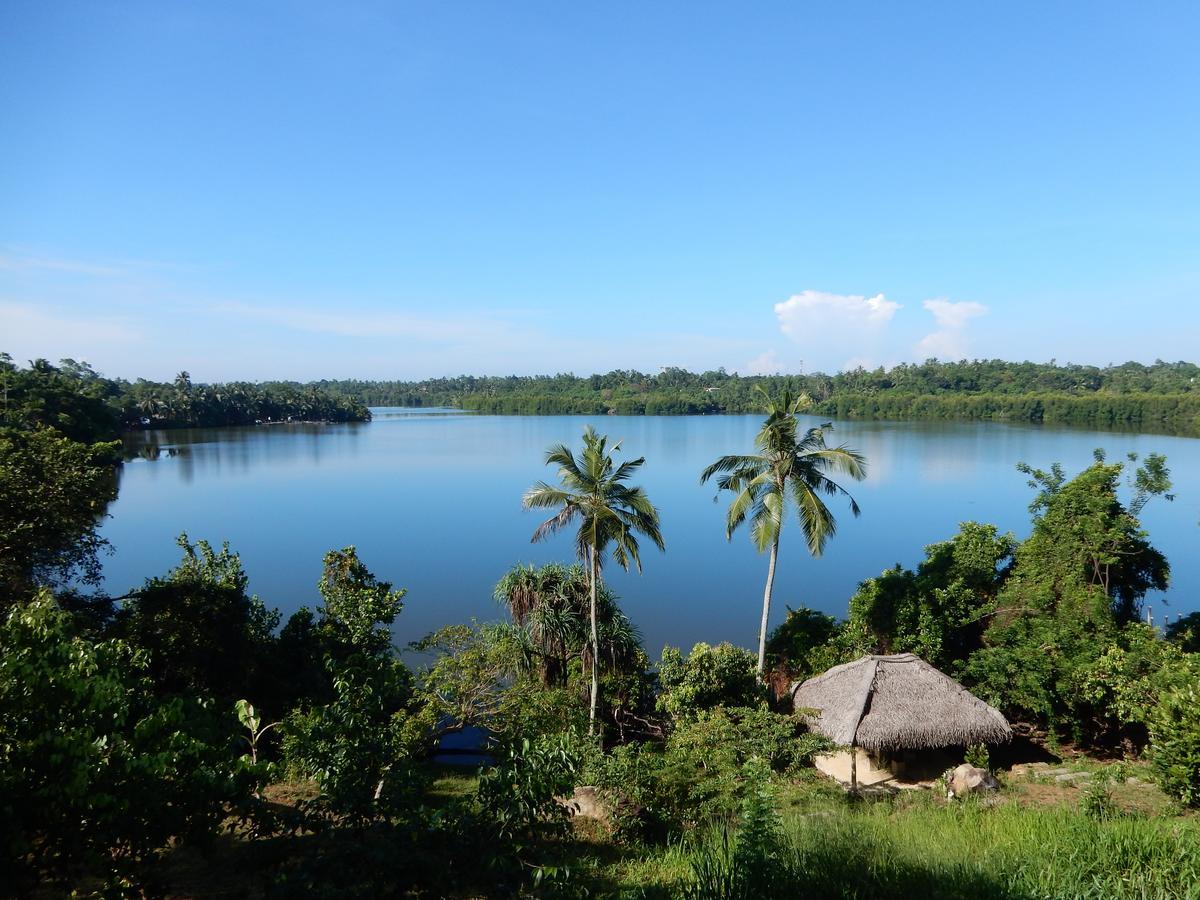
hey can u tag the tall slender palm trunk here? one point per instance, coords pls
(762, 630)
(595, 646)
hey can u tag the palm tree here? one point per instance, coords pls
(549, 609)
(785, 466)
(593, 491)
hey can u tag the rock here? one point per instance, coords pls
(1072, 776)
(586, 803)
(968, 779)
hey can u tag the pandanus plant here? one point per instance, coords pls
(550, 608)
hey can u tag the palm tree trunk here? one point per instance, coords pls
(595, 647)
(762, 631)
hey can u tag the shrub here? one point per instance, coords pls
(724, 675)
(204, 633)
(800, 646)
(751, 865)
(360, 747)
(1097, 800)
(629, 778)
(519, 794)
(697, 777)
(96, 773)
(1175, 744)
(977, 755)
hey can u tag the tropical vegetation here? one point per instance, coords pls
(1162, 396)
(183, 740)
(593, 494)
(787, 471)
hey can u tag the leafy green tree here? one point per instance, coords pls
(479, 678)
(1086, 544)
(1185, 631)
(800, 646)
(205, 634)
(610, 513)
(359, 746)
(97, 775)
(1075, 582)
(53, 495)
(708, 677)
(1122, 687)
(788, 469)
(358, 607)
(1175, 743)
(939, 612)
(70, 398)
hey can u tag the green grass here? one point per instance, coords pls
(920, 848)
(1032, 842)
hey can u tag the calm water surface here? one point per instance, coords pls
(433, 503)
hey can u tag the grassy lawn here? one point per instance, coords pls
(1030, 841)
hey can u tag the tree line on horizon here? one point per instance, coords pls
(1163, 396)
(80, 403)
(87, 406)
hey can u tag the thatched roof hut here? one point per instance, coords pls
(886, 704)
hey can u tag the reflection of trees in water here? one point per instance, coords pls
(240, 449)
(152, 452)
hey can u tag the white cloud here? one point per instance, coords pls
(950, 339)
(831, 328)
(800, 314)
(766, 363)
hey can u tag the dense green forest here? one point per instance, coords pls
(1159, 397)
(183, 740)
(82, 404)
(1163, 397)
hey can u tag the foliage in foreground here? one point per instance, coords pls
(968, 850)
(85, 741)
(1175, 743)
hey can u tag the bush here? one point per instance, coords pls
(204, 633)
(96, 773)
(360, 748)
(1175, 744)
(1097, 800)
(696, 778)
(801, 645)
(519, 794)
(977, 755)
(724, 675)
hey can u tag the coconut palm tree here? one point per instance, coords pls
(593, 493)
(787, 469)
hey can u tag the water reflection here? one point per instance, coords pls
(432, 499)
(205, 452)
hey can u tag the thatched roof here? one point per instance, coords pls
(897, 703)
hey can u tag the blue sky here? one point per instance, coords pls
(313, 190)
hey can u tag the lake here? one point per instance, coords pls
(432, 500)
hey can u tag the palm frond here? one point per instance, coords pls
(730, 463)
(559, 520)
(543, 496)
(767, 519)
(816, 520)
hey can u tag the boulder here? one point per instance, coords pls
(586, 803)
(968, 779)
